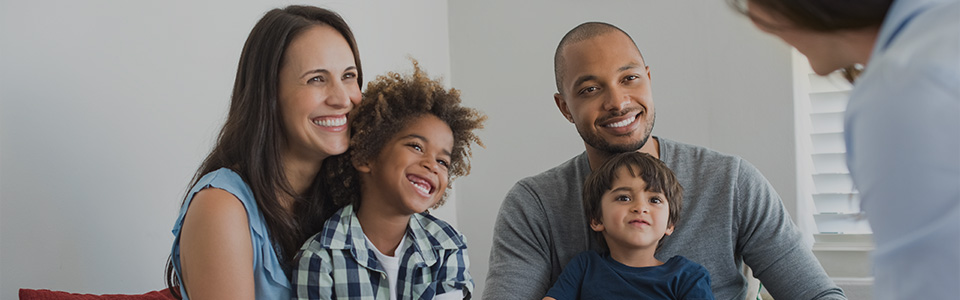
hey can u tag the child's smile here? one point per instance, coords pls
(411, 172)
(423, 185)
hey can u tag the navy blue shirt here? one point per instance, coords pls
(592, 276)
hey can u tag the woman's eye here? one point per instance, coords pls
(349, 75)
(315, 79)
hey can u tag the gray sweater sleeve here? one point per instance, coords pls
(731, 214)
(520, 265)
(772, 245)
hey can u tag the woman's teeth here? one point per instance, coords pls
(331, 122)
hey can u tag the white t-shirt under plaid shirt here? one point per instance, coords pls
(338, 264)
(391, 265)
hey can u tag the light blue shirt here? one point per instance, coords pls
(902, 131)
(270, 280)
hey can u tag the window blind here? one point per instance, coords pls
(837, 204)
(828, 204)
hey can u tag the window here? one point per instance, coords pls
(828, 204)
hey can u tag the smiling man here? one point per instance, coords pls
(731, 213)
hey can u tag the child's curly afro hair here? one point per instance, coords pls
(389, 104)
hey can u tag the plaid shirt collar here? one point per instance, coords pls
(422, 231)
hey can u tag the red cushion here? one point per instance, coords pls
(30, 294)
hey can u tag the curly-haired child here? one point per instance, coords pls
(411, 137)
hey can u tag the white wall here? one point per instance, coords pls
(717, 82)
(107, 109)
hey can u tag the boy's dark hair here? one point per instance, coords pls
(389, 104)
(651, 170)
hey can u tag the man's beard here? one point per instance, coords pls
(595, 141)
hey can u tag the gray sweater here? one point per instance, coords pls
(731, 215)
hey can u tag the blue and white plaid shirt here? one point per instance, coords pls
(337, 263)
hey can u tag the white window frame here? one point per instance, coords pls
(838, 231)
(821, 165)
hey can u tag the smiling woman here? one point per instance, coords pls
(256, 197)
(318, 85)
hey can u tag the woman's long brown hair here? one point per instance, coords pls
(251, 140)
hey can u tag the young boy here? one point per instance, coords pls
(411, 137)
(631, 202)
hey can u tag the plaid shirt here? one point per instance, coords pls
(337, 263)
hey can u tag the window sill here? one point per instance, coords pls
(843, 241)
(844, 255)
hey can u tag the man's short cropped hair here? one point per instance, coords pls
(580, 33)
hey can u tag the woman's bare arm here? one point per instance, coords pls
(216, 254)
